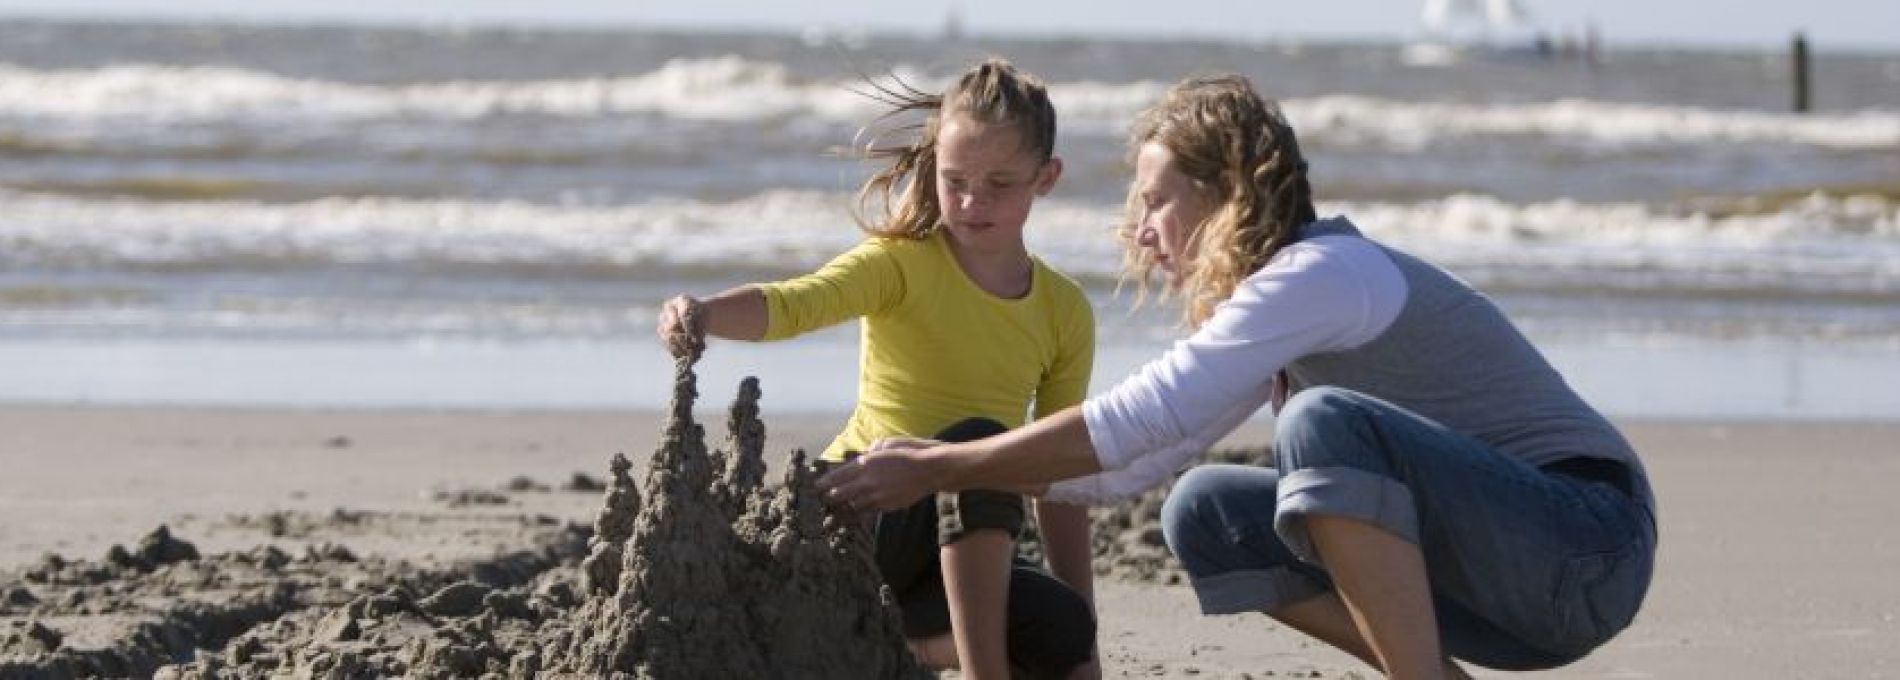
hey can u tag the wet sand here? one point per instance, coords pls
(1777, 538)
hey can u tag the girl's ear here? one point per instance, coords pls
(1046, 178)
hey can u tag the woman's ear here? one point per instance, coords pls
(1046, 178)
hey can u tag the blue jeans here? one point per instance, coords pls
(1529, 568)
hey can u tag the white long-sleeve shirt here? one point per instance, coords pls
(1323, 294)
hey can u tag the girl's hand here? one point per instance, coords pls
(682, 327)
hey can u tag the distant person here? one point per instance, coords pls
(1439, 493)
(964, 330)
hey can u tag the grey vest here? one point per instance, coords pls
(1453, 357)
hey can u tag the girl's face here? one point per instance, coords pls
(986, 181)
(1171, 206)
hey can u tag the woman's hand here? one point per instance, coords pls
(682, 327)
(893, 474)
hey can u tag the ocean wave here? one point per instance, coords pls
(165, 187)
(1846, 246)
(735, 90)
(1358, 119)
(728, 88)
(1823, 244)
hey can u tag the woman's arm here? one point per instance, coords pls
(1156, 467)
(897, 473)
(1307, 301)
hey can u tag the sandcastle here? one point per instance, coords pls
(701, 571)
(719, 576)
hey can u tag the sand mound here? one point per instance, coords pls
(720, 577)
(706, 574)
(135, 611)
(698, 570)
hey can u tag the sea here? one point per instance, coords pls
(471, 217)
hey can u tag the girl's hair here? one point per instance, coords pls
(904, 194)
(1240, 152)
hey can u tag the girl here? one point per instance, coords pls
(1439, 492)
(963, 331)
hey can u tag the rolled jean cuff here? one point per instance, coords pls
(1345, 492)
(1252, 590)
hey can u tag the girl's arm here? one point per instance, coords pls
(864, 280)
(737, 314)
(1066, 527)
(1065, 539)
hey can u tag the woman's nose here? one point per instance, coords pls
(1146, 236)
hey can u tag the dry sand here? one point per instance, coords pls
(1778, 541)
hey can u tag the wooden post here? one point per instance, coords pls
(1800, 66)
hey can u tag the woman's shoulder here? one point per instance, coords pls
(1337, 265)
(1326, 254)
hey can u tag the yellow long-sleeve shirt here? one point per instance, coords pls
(936, 348)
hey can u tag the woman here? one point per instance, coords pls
(1439, 492)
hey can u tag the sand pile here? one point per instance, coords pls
(720, 577)
(707, 573)
(698, 570)
(135, 611)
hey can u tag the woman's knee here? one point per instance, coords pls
(1316, 413)
(1323, 427)
(1188, 511)
(1211, 507)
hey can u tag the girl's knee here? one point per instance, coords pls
(971, 429)
(1052, 629)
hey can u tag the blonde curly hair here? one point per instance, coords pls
(1241, 153)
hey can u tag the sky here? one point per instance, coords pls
(1846, 24)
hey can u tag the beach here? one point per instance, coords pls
(1775, 558)
(318, 342)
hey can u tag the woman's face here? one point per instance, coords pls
(1170, 207)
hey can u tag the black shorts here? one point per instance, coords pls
(1051, 628)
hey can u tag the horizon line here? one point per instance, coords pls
(834, 31)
